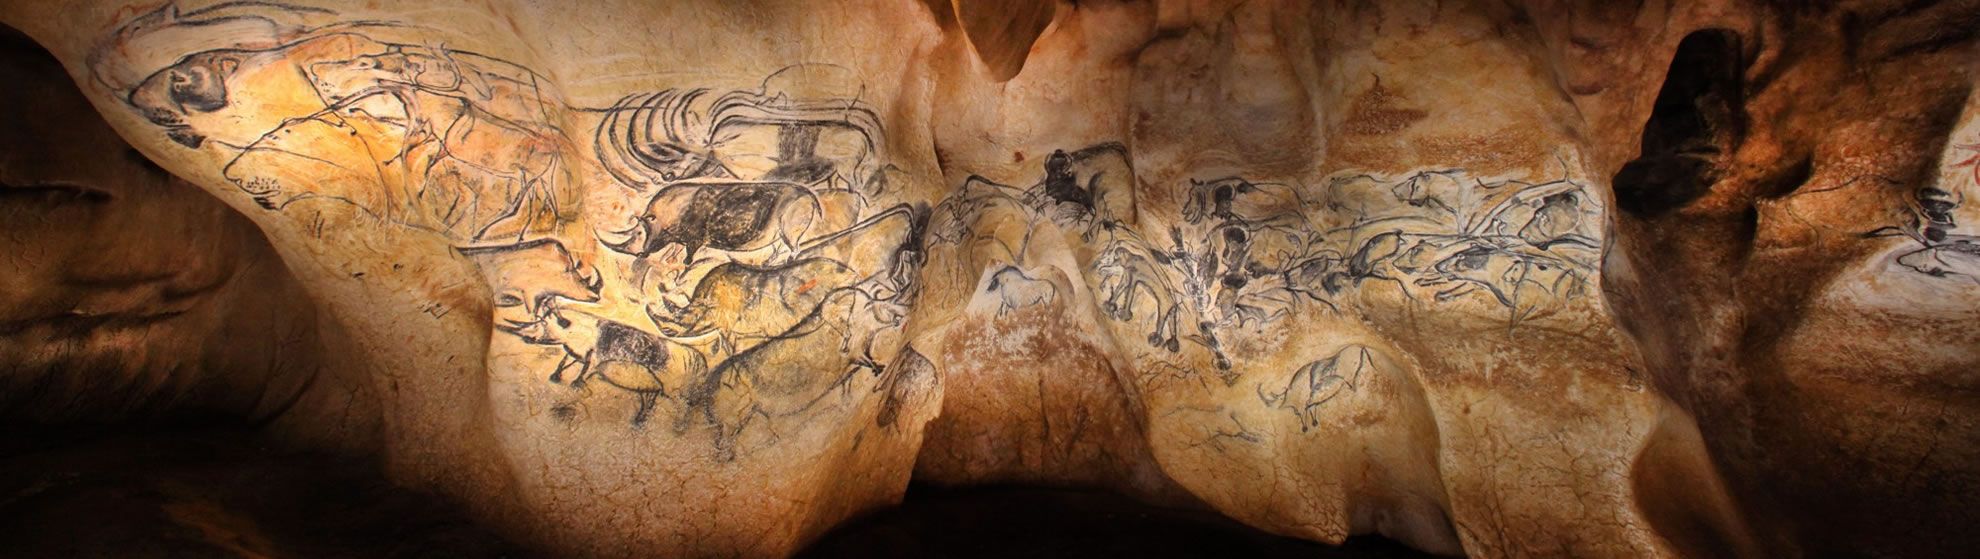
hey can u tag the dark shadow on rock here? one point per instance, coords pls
(1039, 523)
(215, 493)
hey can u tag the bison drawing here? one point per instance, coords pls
(624, 357)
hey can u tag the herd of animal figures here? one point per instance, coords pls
(775, 252)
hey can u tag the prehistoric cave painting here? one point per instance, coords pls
(773, 298)
(1016, 289)
(1247, 254)
(434, 138)
(619, 354)
(792, 372)
(531, 278)
(1250, 253)
(796, 256)
(1084, 190)
(1936, 247)
(1525, 246)
(753, 341)
(769, 256)
(1130, 270)
(784, 254)
(648, 140)
(547, 285)
(745, 170)
(1079, 190)
(986, 213)
(474, 138)
(767, 250)
(1313, 385)
(1086, 187)
(1222, 429)
(730, 216)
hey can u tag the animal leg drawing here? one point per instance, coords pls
(1126, 274)
(1311, 386)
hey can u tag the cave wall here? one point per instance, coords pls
(1492, 278)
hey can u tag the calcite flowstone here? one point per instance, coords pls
(708, 278)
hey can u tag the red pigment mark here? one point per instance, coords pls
(1017, 157)
(542, 143)
(1970, 162)
(808, 284)
(132, 10)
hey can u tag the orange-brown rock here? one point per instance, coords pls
(709, 278)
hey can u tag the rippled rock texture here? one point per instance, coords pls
(710, 278)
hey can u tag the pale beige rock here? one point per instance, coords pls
(708, 278)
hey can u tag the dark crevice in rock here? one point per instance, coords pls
(1695, 124)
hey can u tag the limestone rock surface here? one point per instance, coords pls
(1516, 278)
